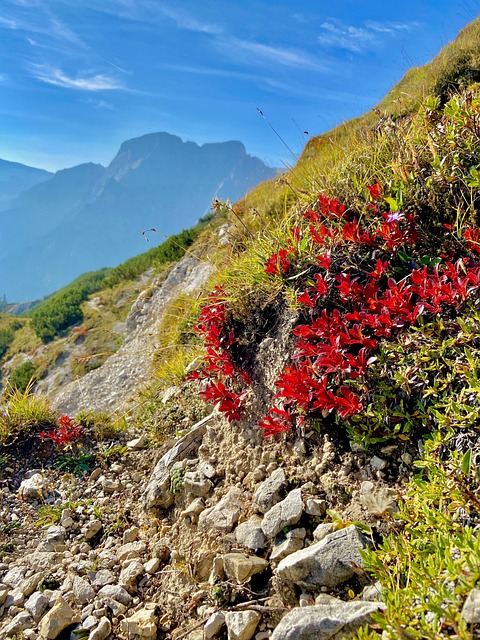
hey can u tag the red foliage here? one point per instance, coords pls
(472, 236)
(278, 263)
(331, 208)
(66, 433)
(347, 314)
(375, 191)
(217, 361)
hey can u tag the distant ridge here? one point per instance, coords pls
(15, 178)
(87, 217)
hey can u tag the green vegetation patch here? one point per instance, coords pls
(63, 309)
(430, 561)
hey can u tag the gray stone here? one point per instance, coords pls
(130, 535)
(90, 622)
(196, 484)
(3, 593)
(82, 590)
(378, 463)
(214, 624)
(225, 514)
(109, 486)
(142, 624)
(333, 621)
(322, 531)
(55, 534)
(116, 592)
(117, 608)
(101, 577)
(131, 573)
(206, 469)
(19, 623)
(193, 510)
(315, 507)
(157, 493)
(250, 535)
(290, 543)
(241, 625)
(327, 563)
(269, 492)
(137, 443)
(131, 550)
(284, 513)
(36, 605)
(240, 568)
(471, 608)
(372, 592)
(30, 584)
(14, 577)
(14, 599)
(57, 619)
(102, 631)
(151, 566)
(33, 487)
(91, 529)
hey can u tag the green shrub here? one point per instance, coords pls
(21, 377)
(62, 309)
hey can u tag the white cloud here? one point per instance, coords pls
(390, 27)
(57, 77)
(8, 23)
(185, 21)
(358, 39)
(280, 55)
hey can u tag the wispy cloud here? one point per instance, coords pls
(100, 104)
(258, 52)
(8, 23)
(358, 39)
(185, 21)
(37, 19)
(391, 27)
(58, 78)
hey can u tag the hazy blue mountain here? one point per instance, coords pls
(89, 216)
(15, 178)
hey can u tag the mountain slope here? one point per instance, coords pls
(88, 217)
(15, 178)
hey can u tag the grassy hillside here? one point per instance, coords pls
(369, 248)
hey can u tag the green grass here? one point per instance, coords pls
(430, 561)
(23, 414)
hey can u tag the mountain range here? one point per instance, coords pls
(60, 225)
(15, 178)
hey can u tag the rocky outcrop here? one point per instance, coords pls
(125, 373)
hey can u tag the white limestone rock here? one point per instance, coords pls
(241, 625)
(327, 563)
(284, 513)
(332, 621)
(225, 514)
(269, 492)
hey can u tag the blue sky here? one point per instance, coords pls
(78, 77)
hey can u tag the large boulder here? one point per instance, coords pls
(327, 563)
(332, 621)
